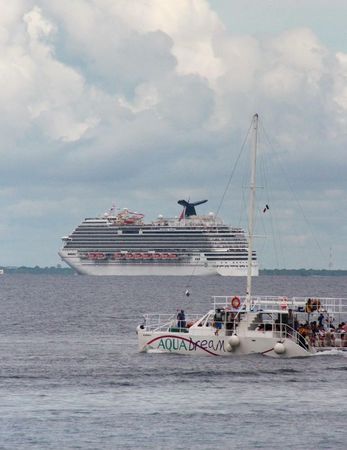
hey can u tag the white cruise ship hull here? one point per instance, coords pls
(111, 268)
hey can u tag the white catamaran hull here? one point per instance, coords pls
(113, 268)
(186, 344)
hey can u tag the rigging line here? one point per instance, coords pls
(269, 200)
(243, 208)
(276, 241)
(294, 196)
(190, 278)
(187, 293)
(233, 170)
(224, 194)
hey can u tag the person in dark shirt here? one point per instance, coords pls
(218, 318)
(181, 319)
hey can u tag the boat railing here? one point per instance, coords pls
(281, 303)
(328, 339)
(286, 331)
(167, 322)
(157, 322)
(303, 341)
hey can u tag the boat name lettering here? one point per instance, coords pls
(172, 344)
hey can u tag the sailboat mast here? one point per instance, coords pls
(251, 209)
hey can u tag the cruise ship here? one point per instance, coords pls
(121, 243)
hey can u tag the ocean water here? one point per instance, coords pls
(71, 376)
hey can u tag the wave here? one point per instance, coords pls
(332, 352)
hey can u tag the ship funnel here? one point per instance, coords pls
(189, 208)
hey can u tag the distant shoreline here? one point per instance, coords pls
(304, 272)
(53, 270)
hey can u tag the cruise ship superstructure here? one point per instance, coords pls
(121, 243)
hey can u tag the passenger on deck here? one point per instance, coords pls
(320, 319)
(330, 320)
(321, 335)
(291, 318)
(218, 317)
(308, 306)
(316, 305)
(339, 327)
(314, 327)
(314, 333)
(181, 319)
(296, 323)
(330, 338)
(304, 334)
(230, 320)
(341, 332)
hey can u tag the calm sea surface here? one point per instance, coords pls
(71, 376)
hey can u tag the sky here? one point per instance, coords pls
(140, 103)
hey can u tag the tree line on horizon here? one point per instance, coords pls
(68, 271)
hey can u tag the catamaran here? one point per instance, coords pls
(275, 326)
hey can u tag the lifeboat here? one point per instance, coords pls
(95, 256)
(129, 221)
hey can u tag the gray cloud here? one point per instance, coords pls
(140, 104)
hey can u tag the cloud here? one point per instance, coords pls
(143, 102)
(37, 90)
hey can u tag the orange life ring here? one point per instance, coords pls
(236, 302)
